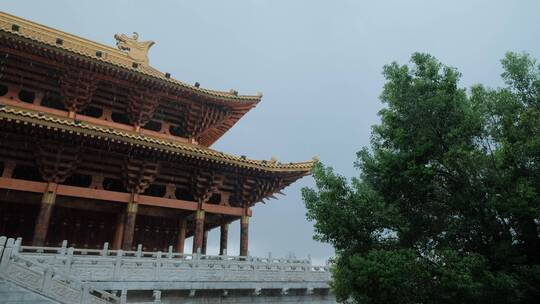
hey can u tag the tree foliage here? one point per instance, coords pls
(446, 208)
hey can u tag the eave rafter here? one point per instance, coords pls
(249, 190)
(3, 64)
(214, 131)
(201, 117)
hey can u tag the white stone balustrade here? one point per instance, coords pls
(118, 270)
(45, 279)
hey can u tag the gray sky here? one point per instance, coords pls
(318, 64)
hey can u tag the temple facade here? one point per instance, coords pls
(97, 146)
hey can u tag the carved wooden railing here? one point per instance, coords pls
(46, 280)
(130, 266)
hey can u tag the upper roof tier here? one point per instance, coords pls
(127, 65)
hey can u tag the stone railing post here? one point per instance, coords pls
(85, 293)
(118, 265)
(123, 296)
(6, 254)
(3, 240)
(17, 245)
(69, 259)
(157, 296)
(307, 268)
(282, 267)
(157, 266)
(138, 254)
(47, 279)
(63, 249)
(105, 250)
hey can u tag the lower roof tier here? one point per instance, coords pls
(66, 150)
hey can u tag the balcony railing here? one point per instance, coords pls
(104, 265)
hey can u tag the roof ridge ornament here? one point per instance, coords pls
(136, 50)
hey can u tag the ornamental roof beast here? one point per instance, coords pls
(136, 50)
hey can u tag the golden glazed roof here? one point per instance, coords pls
(64, 124)
(103, 53)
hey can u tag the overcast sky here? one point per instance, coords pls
(318, 64)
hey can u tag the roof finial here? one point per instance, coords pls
(136, 50)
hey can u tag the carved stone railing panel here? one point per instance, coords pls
(46, 279)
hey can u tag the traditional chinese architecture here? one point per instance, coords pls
(97, 146)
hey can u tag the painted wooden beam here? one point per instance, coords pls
(113, 196)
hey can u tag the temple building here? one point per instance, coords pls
(97, 146)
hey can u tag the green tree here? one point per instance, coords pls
(446, 208)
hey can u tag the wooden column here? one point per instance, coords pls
(181, 236)
(129, 225)
(244, 231)
(223, 238)
(204, 242)
(119, 232)
(139, 174)
(199, 231)
(44, 216)
(56, 161)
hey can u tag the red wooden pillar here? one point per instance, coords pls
(223, 238)
(181, 236)
(199, 231)
(204, 242)
(244, 232)
(129, 225)
(119, 232)
(44, 216)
